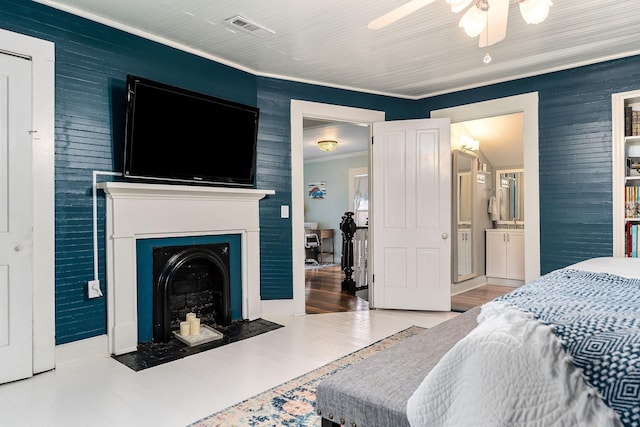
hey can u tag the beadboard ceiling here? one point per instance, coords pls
(327, 42)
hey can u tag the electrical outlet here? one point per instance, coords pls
(93, 289)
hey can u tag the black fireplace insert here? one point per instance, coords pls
(193, 278)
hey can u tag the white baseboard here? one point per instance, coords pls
(281, 307)
(89, 348)
(505, 282)
(467, 285)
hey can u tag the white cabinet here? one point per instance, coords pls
(465, 265)
(505, 254)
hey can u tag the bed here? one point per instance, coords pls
(562, 350)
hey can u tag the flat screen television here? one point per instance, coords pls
(175, 134)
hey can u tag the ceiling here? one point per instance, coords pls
(327, 42)
(352, 139)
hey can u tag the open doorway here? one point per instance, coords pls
(327, 112)
(336, 162)
(484, 149)
(526, 103)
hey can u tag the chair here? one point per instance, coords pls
(311, 244)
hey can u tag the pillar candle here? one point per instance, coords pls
(194, 325)
(190, 316)
(185, 328)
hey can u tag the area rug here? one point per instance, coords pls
(293, 404)
(312, 266)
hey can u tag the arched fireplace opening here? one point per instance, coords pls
(192, 278)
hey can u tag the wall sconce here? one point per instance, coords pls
(327, 145)
(469, 144)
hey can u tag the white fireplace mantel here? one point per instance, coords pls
(141, 211)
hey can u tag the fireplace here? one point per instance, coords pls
(138, 212)
(175, 276)
(190, 279)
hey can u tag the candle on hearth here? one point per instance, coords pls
(190, 316)
(194, 324)
(185, 328)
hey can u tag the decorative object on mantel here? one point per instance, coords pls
(293, 403)
(327, 145)
(317, 190)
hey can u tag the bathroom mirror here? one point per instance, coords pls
(464, 167)
(510, 195)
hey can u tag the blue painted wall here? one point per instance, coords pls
(92, 61)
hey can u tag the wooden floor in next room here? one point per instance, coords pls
(324, 293)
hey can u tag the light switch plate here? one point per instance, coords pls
(284, 211)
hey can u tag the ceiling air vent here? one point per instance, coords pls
(242, 23)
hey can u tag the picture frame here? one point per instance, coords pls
(317, 190)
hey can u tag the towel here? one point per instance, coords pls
(493, 208)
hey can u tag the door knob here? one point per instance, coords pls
(445, 236)
(22, 246)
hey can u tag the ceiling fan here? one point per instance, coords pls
(485, 18)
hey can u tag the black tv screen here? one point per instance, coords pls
(176, 134)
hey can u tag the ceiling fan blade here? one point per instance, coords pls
(397, 13)
(496, 29)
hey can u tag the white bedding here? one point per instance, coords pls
(512, 371)
(625, 267)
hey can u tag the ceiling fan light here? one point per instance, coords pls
(458, 5)
(473, 21)
(535, 11)
(327, 145)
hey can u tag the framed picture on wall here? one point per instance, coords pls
(317, 190)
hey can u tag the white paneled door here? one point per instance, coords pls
(16, 219)
(411, 184)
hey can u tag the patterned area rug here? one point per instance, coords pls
(293, 404)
